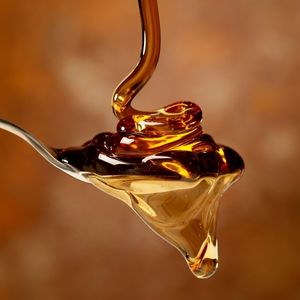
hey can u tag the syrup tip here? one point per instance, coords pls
(203, 269)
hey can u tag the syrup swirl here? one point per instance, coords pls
(145, 137)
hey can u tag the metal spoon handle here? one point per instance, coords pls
(47, 153)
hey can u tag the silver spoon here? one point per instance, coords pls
(46, 152)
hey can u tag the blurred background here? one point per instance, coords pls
(59, 64)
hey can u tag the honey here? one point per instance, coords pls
(160, 163)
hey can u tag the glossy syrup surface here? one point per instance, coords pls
(161, 163)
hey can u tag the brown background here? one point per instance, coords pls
(60, 61)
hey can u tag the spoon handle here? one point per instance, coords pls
(47, 153)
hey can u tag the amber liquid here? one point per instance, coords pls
(161, 163)
(183, 213)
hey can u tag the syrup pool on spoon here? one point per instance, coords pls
(159, 163)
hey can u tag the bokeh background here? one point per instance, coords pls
(60, 61)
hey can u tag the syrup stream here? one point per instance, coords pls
(150, 51)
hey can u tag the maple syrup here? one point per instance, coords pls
(161, 163)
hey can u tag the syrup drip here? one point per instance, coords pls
(161, 163)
